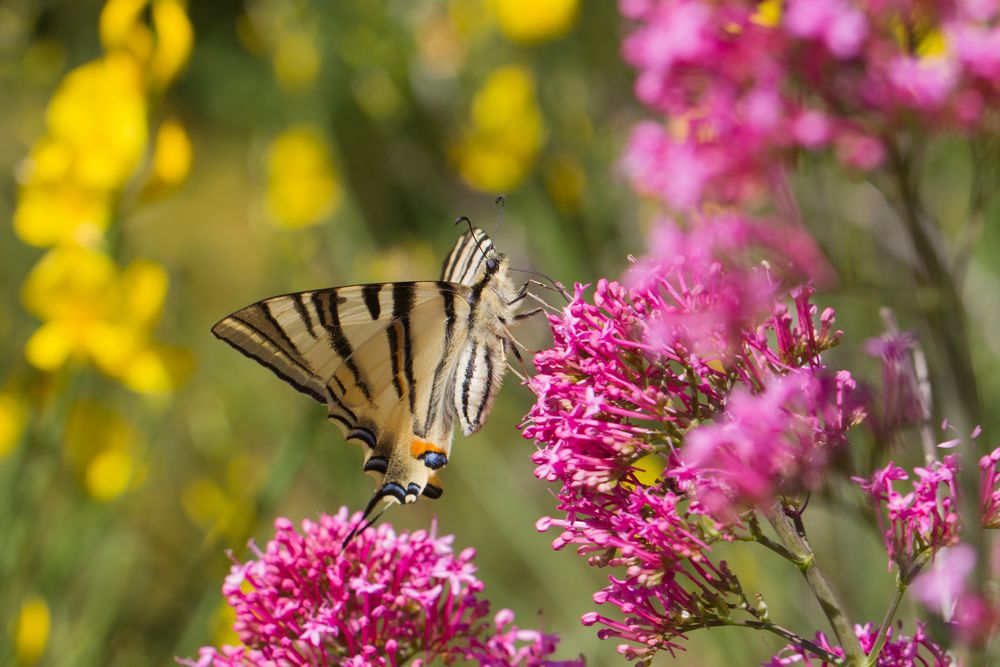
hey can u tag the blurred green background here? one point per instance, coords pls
(236, 150)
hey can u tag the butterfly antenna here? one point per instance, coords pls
(459, 220)
(363, 525)
(499, 201)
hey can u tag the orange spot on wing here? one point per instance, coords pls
(419, 447)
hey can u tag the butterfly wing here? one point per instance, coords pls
(378, 356)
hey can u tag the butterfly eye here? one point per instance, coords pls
(492, 265)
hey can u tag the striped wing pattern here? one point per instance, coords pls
(372, 353)
(396, 364)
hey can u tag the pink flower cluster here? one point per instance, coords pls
(924, 519)
(384, 600)
(773, 443)
(747, 84)
(696, 366)
(989, 489)
(899, 651)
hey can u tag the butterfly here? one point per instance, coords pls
(396, 364)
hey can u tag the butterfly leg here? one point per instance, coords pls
(528, 313)
(511, 344)
(556, 286)
(544, 303)
(522, 292)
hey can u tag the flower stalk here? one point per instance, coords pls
(822, 588)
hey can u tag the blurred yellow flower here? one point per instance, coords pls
(768, 13)
(530, 21)
(31, 632)
(92, 309)
(109, 474)
(123, 29)
(171, 155)
(174, 38)
(99, 113)
(103, 450)
(13, 416)
(119, 20)
(500, 147)
(62, 212)
(302, 188)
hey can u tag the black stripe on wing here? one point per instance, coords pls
(329, 319)
(402, 306)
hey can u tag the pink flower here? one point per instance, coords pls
(744, 92)
(924, 83)
(811, 129)
(838, 25)
(989, 489)
(898, 651)
(923, 519)
(944, 588)
(383, 600)
(944, 581)
(775, 442)
(698, 333)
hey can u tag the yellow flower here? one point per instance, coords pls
(768, 13)
(31, 633)
(163, 57)
(529, 21)
(172, 157)
(174, 37)
(62, 212)
(119, 21)
(13, 416)
(70, 290)
(302, 188)
(500, 147)
(99, 113)
(93, 310)
(103, 450)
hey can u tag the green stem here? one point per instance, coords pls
(785, 633)
(765, 541)
(901, 585)
(822, 589)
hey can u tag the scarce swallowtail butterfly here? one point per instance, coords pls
(395, 364)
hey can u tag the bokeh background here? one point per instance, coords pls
(166, 163)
